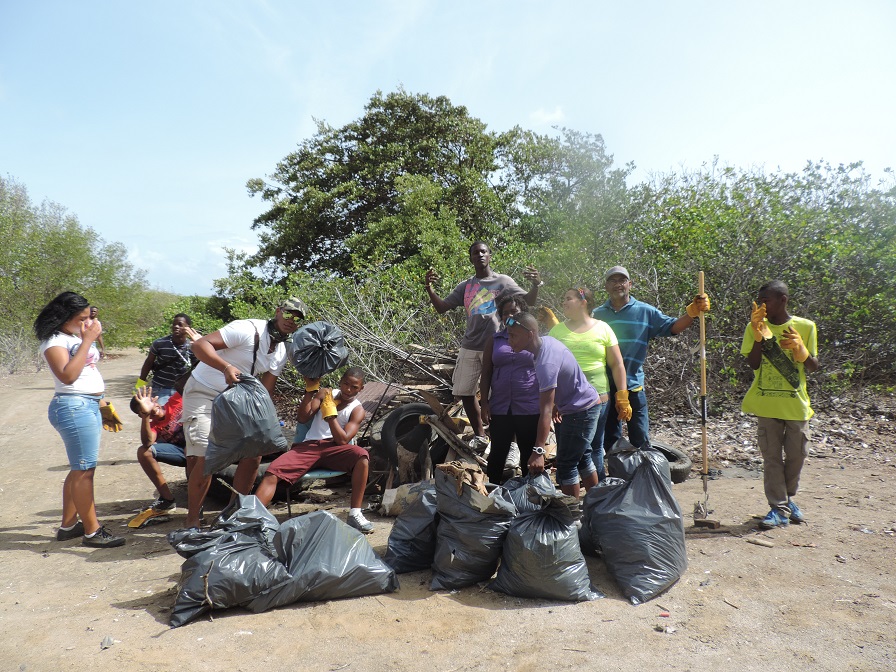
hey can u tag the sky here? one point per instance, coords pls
(146, 119)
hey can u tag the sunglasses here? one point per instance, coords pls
(290, 315)
(510, 322)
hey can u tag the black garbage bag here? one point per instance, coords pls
(326, 560)
(518, 491)
(412, 542)
(244, 424)
(471, 532)
(225, 575)
(623, 460)
(639, 529)
(317, 349)
(541, 556)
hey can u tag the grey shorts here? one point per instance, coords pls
(197, 416)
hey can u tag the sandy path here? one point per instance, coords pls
(823, 598)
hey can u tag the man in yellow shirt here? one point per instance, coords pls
(780, 348)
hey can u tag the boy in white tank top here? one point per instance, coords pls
(327, 445)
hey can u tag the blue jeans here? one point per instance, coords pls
(638, 426)
(597, 443)
(163, 393)
(168, 453)
(77, 419)
(574, 435)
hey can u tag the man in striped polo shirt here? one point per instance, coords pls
(635, 323)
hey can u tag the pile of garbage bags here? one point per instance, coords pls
(250, 560)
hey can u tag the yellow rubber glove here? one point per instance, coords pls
(328, 406)
(311, 384)
(757, 323)
(623, 408)
(111, 421)
(547, 318)
(140, 383)
(700, 304)
(791, 340)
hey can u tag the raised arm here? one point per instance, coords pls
(437, 302)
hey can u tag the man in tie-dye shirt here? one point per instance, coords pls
(477, 295)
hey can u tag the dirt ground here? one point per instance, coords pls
(823, 597)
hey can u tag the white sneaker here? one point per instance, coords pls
(480, 445)
(360, 523)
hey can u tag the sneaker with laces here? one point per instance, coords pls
(773, 519)
(103, 539)
(166, 505)
(360, 523)
(74, 533)
(796, 516)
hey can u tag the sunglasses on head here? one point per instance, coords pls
(513, 321)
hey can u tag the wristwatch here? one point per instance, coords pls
(538, 450)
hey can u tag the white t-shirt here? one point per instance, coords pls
(91, 380)
(239, 337)
(320, 428)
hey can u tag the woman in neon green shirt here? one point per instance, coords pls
(595, 348)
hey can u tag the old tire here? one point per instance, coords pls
(402, 426)
(679, 462)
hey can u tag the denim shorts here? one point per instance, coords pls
(77, 419)
(163, 393)
(168, 453)
(574, 434)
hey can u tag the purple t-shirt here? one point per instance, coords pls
(557, 369)
(514, 387)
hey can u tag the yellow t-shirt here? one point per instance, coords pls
(772, 395)
(590, 350)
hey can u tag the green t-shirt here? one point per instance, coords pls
(771, 395)
(590, 350)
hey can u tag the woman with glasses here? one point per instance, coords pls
(68, 340)
(596, 349)
(508, 393)
(247, 347)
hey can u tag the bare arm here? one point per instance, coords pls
(342, 436)
(269, 380)
(206, 351)
(682, 323)
(485, 380)
(545, 407)
(437, 302)
(68, 368)
(147, 365)
(532, 276)
(617, 367)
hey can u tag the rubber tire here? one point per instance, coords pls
(679, 462)
(403, 426)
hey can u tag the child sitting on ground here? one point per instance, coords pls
(336, 420)
(162, 440)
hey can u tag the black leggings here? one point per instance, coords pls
(503, 429)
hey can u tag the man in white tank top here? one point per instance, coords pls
(327, 445)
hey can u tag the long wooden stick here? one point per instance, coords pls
(703, 384)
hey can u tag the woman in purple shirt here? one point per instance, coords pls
(509, 393)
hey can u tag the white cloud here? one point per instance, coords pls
(541, 117)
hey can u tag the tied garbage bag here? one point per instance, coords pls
(317, 349)
(412, 542)
(326, 560)
(518, 491)
(227, 574)
(244, 424)
(638, 527)
(246, 516)
(623, 459)
(471, 532)
(541, 557)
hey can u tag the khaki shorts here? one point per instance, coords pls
(465, 379)
(197, 416)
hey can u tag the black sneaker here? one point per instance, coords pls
(74, 533)
(103, 539)
(168, 505)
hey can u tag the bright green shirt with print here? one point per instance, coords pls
(779, 390)
(590, 350)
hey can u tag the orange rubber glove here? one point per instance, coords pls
(547, 318)
(757, 323)
(623, 408)
(791, 340)
(328, 406)
(700, 304)
(111, 421)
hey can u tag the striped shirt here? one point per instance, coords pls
(171, 361)
(635, 324)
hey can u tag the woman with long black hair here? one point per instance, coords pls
(68, 338)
